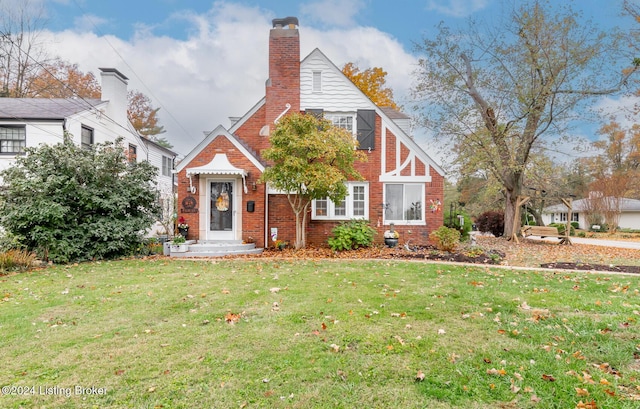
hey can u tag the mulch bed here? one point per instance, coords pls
(592, 267)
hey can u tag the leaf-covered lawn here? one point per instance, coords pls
(318, 333)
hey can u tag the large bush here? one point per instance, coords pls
(351, 235)
(491, 221)
(446, 238)
(67, 203)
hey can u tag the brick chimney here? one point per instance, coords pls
(283, 85)
(114, 89)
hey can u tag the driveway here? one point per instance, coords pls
(596, 242)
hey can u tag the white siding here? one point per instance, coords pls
(338, 93)
(48, 132)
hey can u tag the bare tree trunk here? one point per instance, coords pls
(300, 205)
(513, 189)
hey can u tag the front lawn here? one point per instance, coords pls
(317, 334)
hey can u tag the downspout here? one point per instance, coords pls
(266, 215)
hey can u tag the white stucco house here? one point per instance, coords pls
(29, 122)
(629, 213)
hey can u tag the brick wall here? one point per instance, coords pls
(252, 222)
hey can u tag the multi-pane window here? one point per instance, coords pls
(575, 217)
(86, 137)
(404, 202)
(341, 121)
(354, 206)
(167, 166)
(13, 139)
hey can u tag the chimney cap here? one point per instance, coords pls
(114, 71)
(281, 22)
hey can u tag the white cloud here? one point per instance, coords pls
(457, 8)
(88, 22)
(220, 69)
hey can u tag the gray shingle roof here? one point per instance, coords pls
(43, 108)
(626, 205)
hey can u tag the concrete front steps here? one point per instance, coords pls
(213, 248)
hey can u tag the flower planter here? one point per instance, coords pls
(179, 248)
(391, 242)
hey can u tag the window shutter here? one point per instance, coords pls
(366, 129)
(318, 113)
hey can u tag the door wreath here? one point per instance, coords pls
(222, 202)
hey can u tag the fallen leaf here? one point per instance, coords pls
(232, 318)
(324, 326)
(549, 378)
(420, 376)
(582, 392)
(587, 405)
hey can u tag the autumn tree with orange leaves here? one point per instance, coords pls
(372, 82)
(61, 79)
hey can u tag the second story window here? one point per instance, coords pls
(86, 137)
(344, 121)
(133, 153)
(13, 139)
(167, 165)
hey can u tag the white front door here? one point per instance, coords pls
(221, 215)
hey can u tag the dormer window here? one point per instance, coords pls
(317, 81)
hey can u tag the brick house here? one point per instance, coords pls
(217, 191)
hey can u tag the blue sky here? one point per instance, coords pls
(202, 61)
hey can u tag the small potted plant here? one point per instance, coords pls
(280, 244)
(178, 244)
(391, 236)
(183, 226)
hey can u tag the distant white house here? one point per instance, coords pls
(29, 122)
(629, 216)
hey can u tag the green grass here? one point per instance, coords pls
(343, 334)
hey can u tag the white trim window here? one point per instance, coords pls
(167, 165)
(354, 206)
(404, 203)
(342, 120)
(13, 139)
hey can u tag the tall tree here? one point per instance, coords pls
(311, 159)
(372, 82)
(142, 114)
(61, 79)
(21, 51)
(615, 170)
(501, 86)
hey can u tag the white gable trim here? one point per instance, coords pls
(395, 175)
(219, 131)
